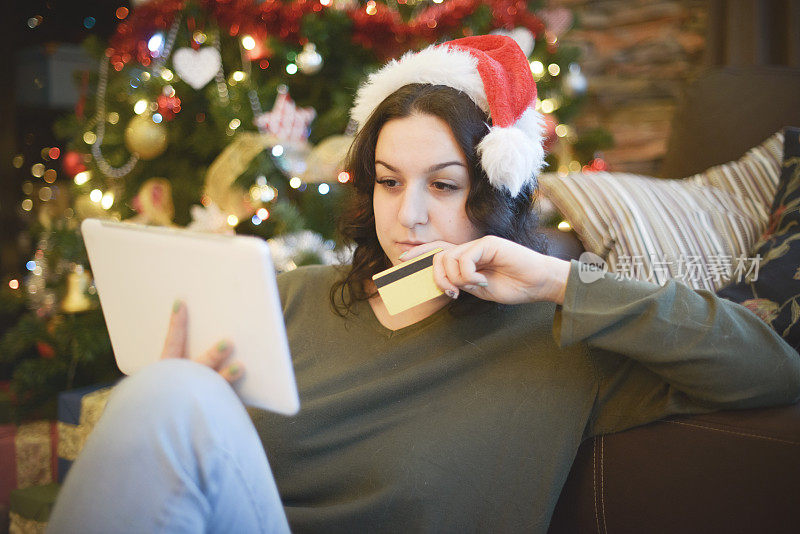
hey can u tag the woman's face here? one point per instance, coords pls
(421, 186)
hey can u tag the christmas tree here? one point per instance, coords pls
(232, 116)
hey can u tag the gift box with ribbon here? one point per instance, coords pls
(78, 413)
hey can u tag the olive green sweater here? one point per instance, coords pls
(471, 424)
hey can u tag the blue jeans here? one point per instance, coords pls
(174, 451)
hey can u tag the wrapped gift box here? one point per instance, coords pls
(78, 413)
(31, 507)
(27, 457)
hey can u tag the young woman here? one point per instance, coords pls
(463, 413)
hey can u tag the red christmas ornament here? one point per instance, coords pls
(168, 106)
(72, 163)
(45, 350)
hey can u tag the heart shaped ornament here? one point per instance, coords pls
(523, 36)
(197, 67)
(556, 20)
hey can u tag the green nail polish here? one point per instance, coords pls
(233, 369)
(222, 345)
(176, 306)
(483, 284)
(403, 254)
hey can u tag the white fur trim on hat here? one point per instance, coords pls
(436, 65)
(514, 156)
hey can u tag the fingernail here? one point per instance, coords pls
(176, 306)
(452, 294)
(469, 287)
(222, 345)
(483, 284)
(234, 369)
(403, 254)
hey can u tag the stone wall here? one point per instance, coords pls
(637, 55)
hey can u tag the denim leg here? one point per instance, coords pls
(174, 451)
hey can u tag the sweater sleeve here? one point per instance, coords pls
(665, 350)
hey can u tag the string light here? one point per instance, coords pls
(564, 226)
(156, 44)
(121, 12)
(89, 22)
(167, 75)
(199, 37)
(37, 170)
(238, 76)
(248, 43)
(277, 151)
(18, 161)
(27, 204)
(323, 189)
(30, 265)
(547, 106)
(235, 123)
(157, 118)
(113, 117)
(295, 182)
(553, 69)
(82, 177)
(89, 138)
(34, 22)
(263, 214)
(574, 165)
(562, 130)
(140, 106)
(291, 68)
(107, 201)
(45, 194)
(50, 176)
(54, 153)
(255, 219)
(13, 284)
(343, 177)
(233, 220)
(537, 68)
(96, 195)
(371, 7)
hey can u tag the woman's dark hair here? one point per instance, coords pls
(492, 211)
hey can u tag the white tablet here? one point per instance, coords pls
(228, 285)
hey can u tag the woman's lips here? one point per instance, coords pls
(408, 245)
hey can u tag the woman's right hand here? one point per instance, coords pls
(216, 357)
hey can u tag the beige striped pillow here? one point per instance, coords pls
(655, 229)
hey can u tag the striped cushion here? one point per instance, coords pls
(695, 229)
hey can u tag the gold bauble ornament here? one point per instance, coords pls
(145, 138)
(78, 282)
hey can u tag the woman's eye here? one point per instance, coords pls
(388, 182)
(444, 186)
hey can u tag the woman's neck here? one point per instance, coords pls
(407, 317)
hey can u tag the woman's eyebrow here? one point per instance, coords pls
(432, 168)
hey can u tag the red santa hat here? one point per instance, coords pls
(494, 72)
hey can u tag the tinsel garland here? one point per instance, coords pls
(376, 26)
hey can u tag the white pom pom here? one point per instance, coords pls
(512, 157)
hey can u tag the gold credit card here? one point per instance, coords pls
(408, 284)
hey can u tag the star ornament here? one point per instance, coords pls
(285, 120)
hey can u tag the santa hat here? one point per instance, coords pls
(494, 72)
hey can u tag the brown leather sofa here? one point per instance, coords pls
(727, 472)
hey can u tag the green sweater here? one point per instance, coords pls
(471, 424)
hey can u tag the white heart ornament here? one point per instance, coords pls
(523, 36)
(196, 67)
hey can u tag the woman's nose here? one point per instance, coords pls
(413, 209)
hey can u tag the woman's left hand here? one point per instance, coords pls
(493, 268)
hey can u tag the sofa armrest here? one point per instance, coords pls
(732, 471)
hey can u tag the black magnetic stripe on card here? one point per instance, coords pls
(394, 276)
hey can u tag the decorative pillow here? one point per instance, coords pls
(698, 229)
(773, 293)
